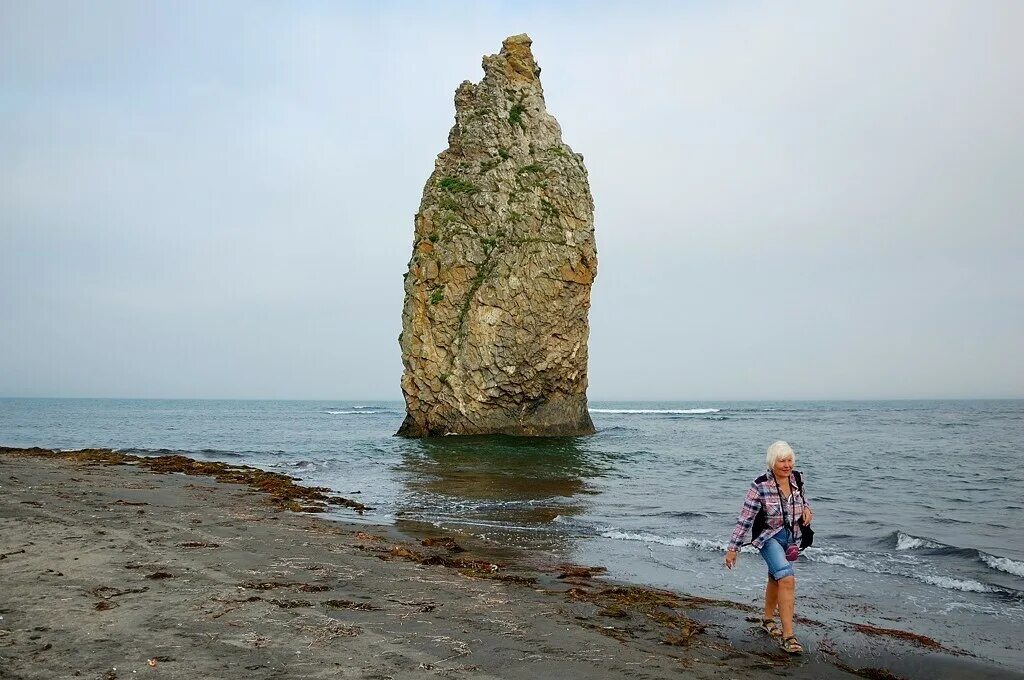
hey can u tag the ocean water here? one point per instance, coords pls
(919, 505)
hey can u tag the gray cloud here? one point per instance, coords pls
(793, 201)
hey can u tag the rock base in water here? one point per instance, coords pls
(495, 327)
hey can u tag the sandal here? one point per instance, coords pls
(768, 626)
(792, 646)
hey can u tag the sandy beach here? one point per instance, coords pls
(117, 567)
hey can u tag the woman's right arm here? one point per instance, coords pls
(751, 504)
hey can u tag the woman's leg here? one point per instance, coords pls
(780, 590)
(771, 598)
(787, 598)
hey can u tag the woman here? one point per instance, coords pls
(780, 493)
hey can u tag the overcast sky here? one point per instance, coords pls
(793, 199)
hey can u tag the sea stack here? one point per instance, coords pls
(494, 327)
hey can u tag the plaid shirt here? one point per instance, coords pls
(765, 494)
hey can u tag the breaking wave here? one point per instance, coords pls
(964, 585)
(1006, 565)
(872, 563)
(683, 542)
(908, 542)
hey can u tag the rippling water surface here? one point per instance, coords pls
(919, 505)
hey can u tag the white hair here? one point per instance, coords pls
(778, 450)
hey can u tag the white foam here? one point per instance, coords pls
(453, 522)
(298, 464)
(997, 611)
(945, 582)
(842, 560)
(908, 542)
(1004, 564)
(352, 413)
(644, 411)
(966, 585)
(683, 542)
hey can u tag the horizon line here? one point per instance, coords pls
(702, 400)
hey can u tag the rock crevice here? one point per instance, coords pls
(497, 293)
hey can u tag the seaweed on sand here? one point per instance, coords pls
(442, 542)
(284, 493)
(915, 638)
(464, 565)
(658, 606)
(271, 585)
(578, 571)
(349, 604)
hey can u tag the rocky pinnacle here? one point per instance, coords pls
(494, 326)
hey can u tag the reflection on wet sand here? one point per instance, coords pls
(500, 489)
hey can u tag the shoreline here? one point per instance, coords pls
(111, 566)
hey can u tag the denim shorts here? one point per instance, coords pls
(774, 554)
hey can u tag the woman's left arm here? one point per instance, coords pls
(807, 514)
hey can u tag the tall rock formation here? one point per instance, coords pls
(494, 327)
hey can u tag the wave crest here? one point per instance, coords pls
(1004, 564)
(683, 542)
(965, 585)
(909, 542)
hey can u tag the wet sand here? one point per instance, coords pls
(115, 568)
